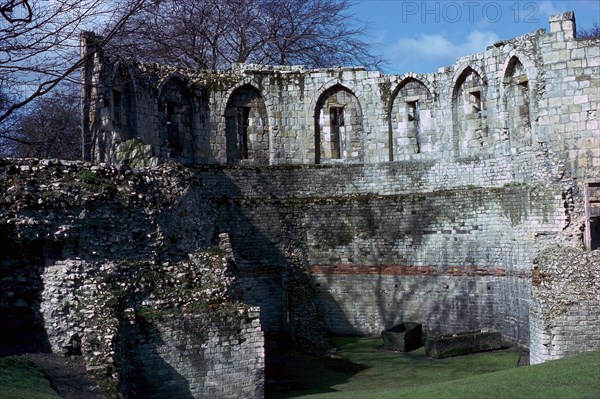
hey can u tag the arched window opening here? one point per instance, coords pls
(175, 103)
(517, 105)
(338, 126)
(123, 110)
(411, 127)
(246, 127)
(469, 113)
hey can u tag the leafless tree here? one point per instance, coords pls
(39, 43)
(7, 127)
(212, 34)
(51, 128)
(316, 33)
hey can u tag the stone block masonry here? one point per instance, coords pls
(453, 259)
(539, 90)
(402, 151)
(197, 356)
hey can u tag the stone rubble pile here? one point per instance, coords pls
(97, 254)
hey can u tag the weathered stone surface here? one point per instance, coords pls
(565, 304)
(404, 337)
(534, 91)
(462, 343)
(157, 330)
(427, 173)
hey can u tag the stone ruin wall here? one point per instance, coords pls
(439, 224)
(565, 310)
(110, 262)
(382, 250)
(535, 91)
(439, 188)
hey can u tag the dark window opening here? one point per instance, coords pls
(169, 111)
(412, 108)
(243, 124)
(475, 101)
(118, 112)
(336, 115)
(592, 215)
(594, 234)
(117, 98)
(172, 113)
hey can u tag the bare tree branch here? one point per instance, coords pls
(39, 43)
(212, 34)
(10, 11)
(52, 128)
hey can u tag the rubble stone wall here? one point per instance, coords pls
(90, 254)
(437, 222)
(565, 308)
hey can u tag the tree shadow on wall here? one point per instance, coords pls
(268, 241)
(377, 297)
(148, 374)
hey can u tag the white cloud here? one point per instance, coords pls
(547, 8)
(437, 49)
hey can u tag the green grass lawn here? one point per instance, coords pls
(365, 371)
(20, 379)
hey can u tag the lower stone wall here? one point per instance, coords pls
(197, 356)
(157, 331)
(387, 248)
(368, 304)
(565, 311)
(459, 259)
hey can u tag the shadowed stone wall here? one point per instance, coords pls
(450, 246)
(122, 266)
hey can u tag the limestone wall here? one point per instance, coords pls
(197, 356)
(91, 255)
(536, 91)
(447, 245)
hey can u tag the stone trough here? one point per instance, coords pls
(463, 343)
(404, 337)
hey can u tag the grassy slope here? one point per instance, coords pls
(367, 372)
(20, 379)
(364, 371)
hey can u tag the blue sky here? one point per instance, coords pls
(422, 36)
